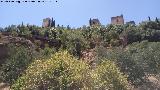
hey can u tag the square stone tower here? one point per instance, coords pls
(47, 22)
(118, 20)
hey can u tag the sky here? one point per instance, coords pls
(77, 13)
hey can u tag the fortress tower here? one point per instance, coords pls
(94, 22)
(47, 22)
(118, 20)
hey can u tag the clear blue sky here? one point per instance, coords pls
(77, 12)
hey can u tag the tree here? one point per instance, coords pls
(1, 29)
(68, 27)
(16, 63)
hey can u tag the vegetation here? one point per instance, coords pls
(124, 55)
(62, 72)
(16, 63)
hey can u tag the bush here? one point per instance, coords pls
(147, 55)
(125, 62)
(137, 60)
(47, 52)
(18, 60)
(74, 42)
(64, 72)
(109, 77)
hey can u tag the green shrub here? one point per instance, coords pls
(108, 77)
(14, 33)
(147, 55)
(47, 52)
(125, 62)
(18, 60)
(73, 41)
(64, 72)
(137, 60)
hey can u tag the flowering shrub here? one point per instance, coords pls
(64, 72)
(108, 77)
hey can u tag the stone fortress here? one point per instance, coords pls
(47, 22)
(117, 20)
(93, 22)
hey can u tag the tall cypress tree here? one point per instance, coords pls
(90, 22)
(52, 23)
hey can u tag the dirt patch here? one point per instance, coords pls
(4, 86)
(152, 84)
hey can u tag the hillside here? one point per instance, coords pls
(95, 57)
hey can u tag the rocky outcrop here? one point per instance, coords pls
(4, 86)
(17, 40)
(153, 83)
(88, 55)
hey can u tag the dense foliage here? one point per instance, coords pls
(64, 72)
(137, 60)
(107, 76)
(14, 65)
(124, 54)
